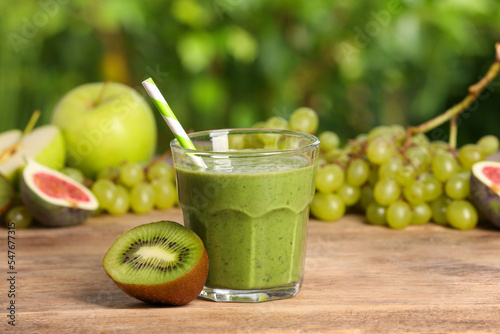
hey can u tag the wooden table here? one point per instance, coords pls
(359, 279)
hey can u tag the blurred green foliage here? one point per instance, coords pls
(231, 63)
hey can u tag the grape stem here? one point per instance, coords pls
(453, 134)
(474, 91)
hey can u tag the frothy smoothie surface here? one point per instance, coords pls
(252, 216)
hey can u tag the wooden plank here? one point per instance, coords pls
(359, 279)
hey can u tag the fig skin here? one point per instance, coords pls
(486, 200)
(46, 212)
(52, 215)
(177, 292)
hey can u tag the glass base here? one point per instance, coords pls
(250, 296)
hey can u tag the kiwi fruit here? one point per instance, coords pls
(159, 263)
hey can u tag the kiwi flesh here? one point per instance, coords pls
(159, 263)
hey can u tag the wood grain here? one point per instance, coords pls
(359, 279)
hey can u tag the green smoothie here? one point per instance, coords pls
(252, 216)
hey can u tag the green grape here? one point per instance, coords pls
(19, 215)
(414, 193)
(357, 172)
(379, 131)
(349, 194)
(433, 188)
(366, 196)
(160, 169)
(406, 175)
(322, 163)
(425, 176)
(386, 191)
(469, 154)
(253, 141)
(376, 214)
(461, 215)
(259, 125)
(444, 165)
(304, 119)
(142, 197)
(458, 186)
(121, 202)
(421, 214)
(398, 132)
(379, 150)
(418, 157)
(104, 190)
(419, 140)
(362, 137)
(373, 178)
(328, 141)
(336, 154)
(112, 173)
(488, 144)
(398, 215)
(235, 142)
(131, 174)
(438, 207)
(270, 140)
(439, 146)
(391, 168)
(165, 193)
(327, 207)
(329, 178)
(73, 173)
(276, 122)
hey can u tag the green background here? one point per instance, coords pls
(231, 63)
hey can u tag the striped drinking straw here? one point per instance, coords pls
(170, 119)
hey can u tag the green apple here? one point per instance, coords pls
(105, 124)
(45, 144)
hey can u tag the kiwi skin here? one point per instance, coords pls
(177, 292)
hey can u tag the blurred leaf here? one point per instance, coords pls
(196, 51)
(240, 44)
(110, 15)
(242, 115)
(191, 13)
(208, 96)
(235, 62)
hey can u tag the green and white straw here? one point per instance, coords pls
(170, 119)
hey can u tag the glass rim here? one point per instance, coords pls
(314, 143)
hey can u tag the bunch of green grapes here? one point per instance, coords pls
(399, 183)
(394, 182)
(132, 187)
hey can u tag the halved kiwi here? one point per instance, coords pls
(159, 263)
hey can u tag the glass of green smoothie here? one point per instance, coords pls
(249, 203)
